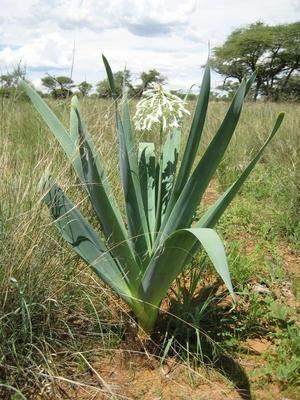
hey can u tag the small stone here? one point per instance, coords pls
(261, 289)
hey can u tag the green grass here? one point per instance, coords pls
(51, 307)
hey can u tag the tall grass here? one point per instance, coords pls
(49, 302)
(47, 297)
(276, 181)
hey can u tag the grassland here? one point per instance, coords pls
(64, 335)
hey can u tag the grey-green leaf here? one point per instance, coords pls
(55, 126)
(171, 258)
(195, 134)
(110, 77)
(184, 209)
(147, 164)
(104, 208)
(84, 240)
(136, 217)
(170, 154)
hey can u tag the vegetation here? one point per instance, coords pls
(63, 333)
(9, 81)
(273, 52)
(59, 87)
(140, 264)
(60, 327)
(84, 88)
(122, 78)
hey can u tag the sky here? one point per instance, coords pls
(172, 36)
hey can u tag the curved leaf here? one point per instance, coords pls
(170, 154)
(84, 240)
(147, 165)
(184, 209)
(136, 217)
(55, 126)
(110, 77)
(104, 208)
(195, 134)
(171, 258)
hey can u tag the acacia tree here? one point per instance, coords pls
(85, 88)
(272, 51)
(147, 79)
(103, 89)
(59, 87)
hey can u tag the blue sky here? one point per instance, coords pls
(169, 35)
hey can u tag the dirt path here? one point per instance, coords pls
(137, 377)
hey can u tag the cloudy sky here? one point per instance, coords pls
(169, 35)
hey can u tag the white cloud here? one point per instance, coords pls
(162, 16)
(48, 51)
(296, 4)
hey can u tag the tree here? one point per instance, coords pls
(84, 88)
(59, 87)
(226, 91)
(147, 79)
(103, 88)
(49, 83)
(291, 91)
(9, 81)
(6, 81)
(273, 52)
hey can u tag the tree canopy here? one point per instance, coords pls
(273, 52)
(149, 77)
(84, 88)
(59, 87)
(9, 81)
(103, 88)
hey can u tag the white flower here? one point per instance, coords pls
(160, 108)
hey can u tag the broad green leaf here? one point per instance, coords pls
(55, 126)
(184, 209)
(249, 83)
(170, 259)
(193, 141)
(84, 240)
(147, 182)
(211, 217)
(76, 114)
(129, 138)
(170, 153)
(165, 175)
(136, 217)
(110, 77)
(103, 207)
(195, 134)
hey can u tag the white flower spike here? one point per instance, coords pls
(160, 108)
